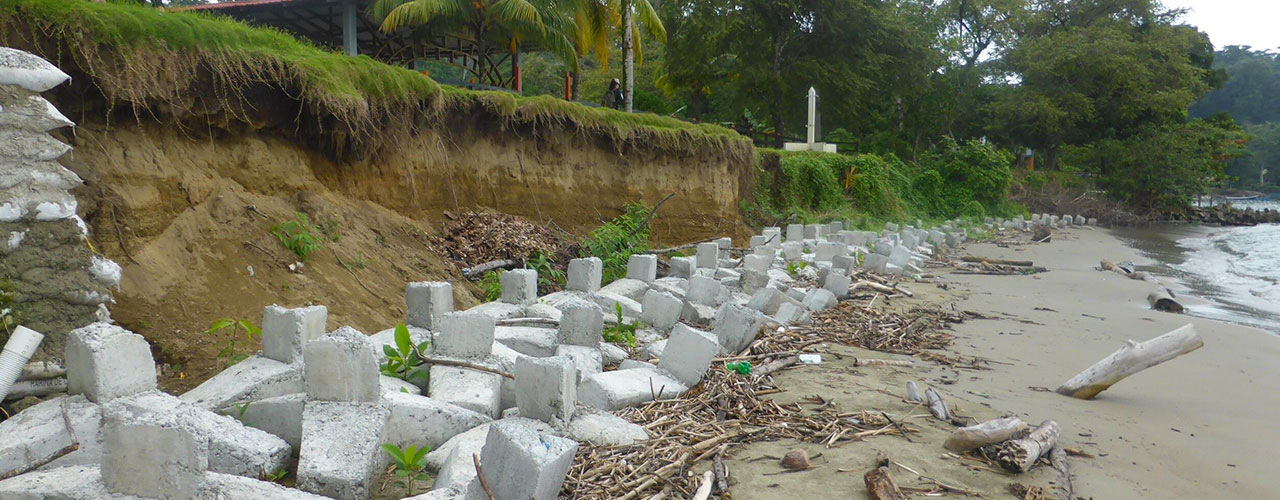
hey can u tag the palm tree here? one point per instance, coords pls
(631, 46)
(594, 20)
(490, 23)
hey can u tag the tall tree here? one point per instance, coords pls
(631, 12)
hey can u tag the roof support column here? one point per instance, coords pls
(349, 43)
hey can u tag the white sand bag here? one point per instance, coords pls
(17, 145)
(28, 71)
(22, 109)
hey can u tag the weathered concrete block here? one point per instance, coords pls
(660, 310)
(773, 237)
(422, 421)
(453, 458)
(643, 267)
(528, 340)
(279, 416)
(619, 389)
(581, 323)
(585, 274)
(611, 301)
(736, 328)
(426, 301)
(39, 432)
(341, 448)
(844, 263)
(498, 310)
(285, 331)
(697, 314)
(766, 300)
(587, 360)
(341, 366)
(546, 388)
(758, 263)
(708, 255)
(522, 464)
(838, 284)
(604, 429)
(703, 291)
(477, 391)
(792, 251)
(828, 250)
(256, 377)
(752, 281)
(875, 262)
(795, 232)
(756, 241)
(388, 384)
(688, 354)
(150, 459)
(519, 286)
(789, 313)
(630, 288)
(465, 335)
(105, 362)
(682, 267)
(819, 299)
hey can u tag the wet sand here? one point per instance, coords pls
(1201, 426)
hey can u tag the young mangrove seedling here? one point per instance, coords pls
(403, 361)
(410, 463)
(236, 325)
(620, 332)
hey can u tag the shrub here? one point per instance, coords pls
(298, 235)
(616, 241)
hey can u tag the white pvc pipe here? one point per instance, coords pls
(21, 346)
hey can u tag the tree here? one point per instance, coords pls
(490, 23)
(631, 46)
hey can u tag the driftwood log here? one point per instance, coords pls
(890, 290)
(485, 267)
(1162, 300)
(979, 260)
(1018, 455)
(704, 489)
(913, 393)
(937, 406)
(880, 484)
(989, 432)
(1130, 359)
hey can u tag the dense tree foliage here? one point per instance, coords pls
(1249, 96)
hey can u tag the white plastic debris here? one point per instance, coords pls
(810, 359)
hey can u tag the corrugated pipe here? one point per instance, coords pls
(21, 346)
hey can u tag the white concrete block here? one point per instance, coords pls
(465, 335)
(341, 366)
(795, 232)
(150, 459)
(581, 323)
(528, 340)
(708, 255)
(610, 301)
(39, 432)
(425, 302)
(643, 267)
(256, 377)
(341, 454)
(838, 284)
(688, 354)
(819, 299)
(285, 331)
(452, 460)
(619, 389)
(736, 328)
(682, 267)
(758, 263)
(588, 360)
(660, 310)
(630, 288)
(105, 362)
(422, 421)
(703, 291)
(477, 391)
(522, 464)
(789, 313)
(279, 416)
(498, 310)
(519, 286)
(546, 388)
(604, 429)
(585, 274)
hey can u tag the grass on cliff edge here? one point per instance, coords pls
(139, 55)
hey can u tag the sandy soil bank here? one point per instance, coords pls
(1200, 426)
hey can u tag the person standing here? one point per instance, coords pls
(613, 97)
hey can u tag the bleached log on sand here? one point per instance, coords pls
(1019, 455)
(937, 406)
(989, 432)
(1160, 300)
(1130, 359)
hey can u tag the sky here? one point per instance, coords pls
(1234, 22)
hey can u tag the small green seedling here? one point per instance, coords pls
(410, 463)
(236, 325)
(277, 476)
(298, 235)
(403, 361)
(491, 284)
(240, 411)
(620, 332)
(793, 268)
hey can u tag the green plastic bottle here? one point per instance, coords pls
(741, 367)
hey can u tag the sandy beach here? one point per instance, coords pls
(1199, 426)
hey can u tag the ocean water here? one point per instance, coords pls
(1236, 270)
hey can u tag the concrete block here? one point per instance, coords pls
(604, 429)
(630, 288)
(752, 281)
(819, 299)
(226, 487)
(792, 251)
(285, 331)
(453, 458)
(875, 262)
(766, 300)
(498, 310)
(811, 232)
(477, 391)
(280, 416)
(585, 274)
(697, 314)
(708, 255)
(78, 482)
(105, 362)
(835, 227)
(581, 324)
(150, 459)
(795, 232)
(828, 250)
(611, 301)
(519, 286)
(756, 241)
(546, 388)
(736, 328)
(758, 263)
(528, 340)
(844, 263)
(619, 389)
(660, 310)
(891, 227)
(341, 366)
(341, 449)
(837, 284)
(39, 432)
(773, 237)
(587, 360)
(611, 354)
(682, 267)
(422, 421)
(427, 301)
(791, 314)
(256, 377)
(688, 354)
(465, 335)
(524, 464)
(703, 291)
(388, 384)
(628, 364)
(643, 267)
(233, 447)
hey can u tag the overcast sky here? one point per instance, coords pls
(1235, 22)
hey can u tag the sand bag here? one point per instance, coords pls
(28, 71)
(22, 109)
(17, 145)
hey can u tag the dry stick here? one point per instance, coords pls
(704, 489)
(475, 459)
(895, 424)
(480, 269)
(776, 365)
(650, 217)
(881, 362)
(722, 473)
(989, 432)
(463, 364)
(1058, 459)
(970, 258)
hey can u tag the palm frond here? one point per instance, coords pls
(419, 12)
(518, 14)
(649, 18)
